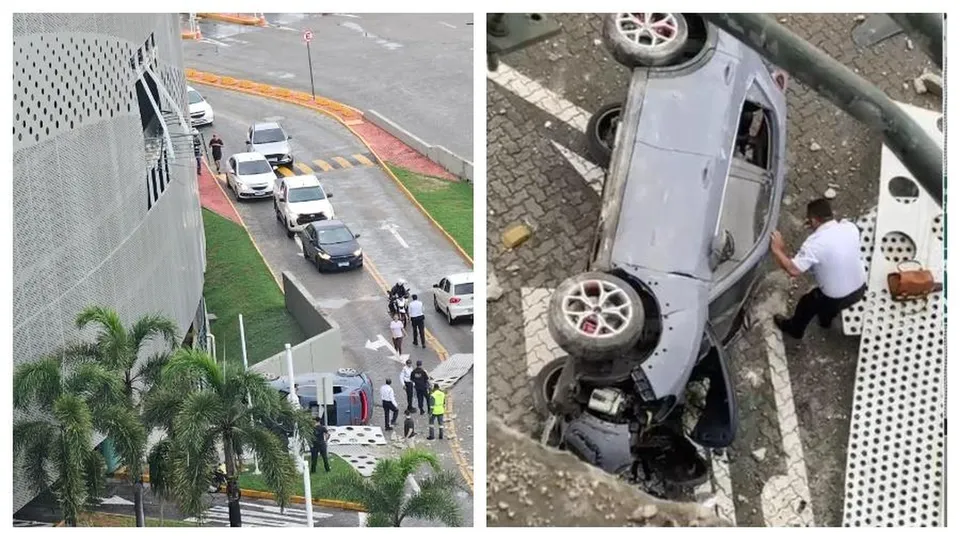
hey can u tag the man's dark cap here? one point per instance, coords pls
(419, 362)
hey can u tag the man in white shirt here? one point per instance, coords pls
(389, 401)
(397, 331)
(832, 251)
(416, 317)
(407, 383)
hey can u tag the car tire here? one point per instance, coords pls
(544, 384)
(319, 266)
(642, 49)
(601, 132)
(450, 318)
(290, 234)
(436, 306)
(595, 316)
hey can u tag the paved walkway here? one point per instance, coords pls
(394, 151)
(213, 198)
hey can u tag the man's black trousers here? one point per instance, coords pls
(816, 304)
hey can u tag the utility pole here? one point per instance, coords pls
(853, 94)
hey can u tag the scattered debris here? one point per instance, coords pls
(597, 42)
(547, 124)
(783, 20)
(502, 111)
(494, 290)
(928, 82)
(834, 186)
(787, 200)
(830, 193)
(760, 454)
(814, 147)
(503, 505)
(753, 378)
(742, 499)
(860, 18)
(513, 268)
(909, 44)
(516, 235)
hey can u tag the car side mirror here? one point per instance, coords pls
(329, 195)
(248, 142)
(289, 138)
(436, 286)
(356, 235)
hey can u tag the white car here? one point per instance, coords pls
(201, 113)
(453, 296)
(250, 176)
(298, 200)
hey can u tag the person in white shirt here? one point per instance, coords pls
(832, 252)
(416, 317)
(407, 383)
(389, 401)
(397, 331)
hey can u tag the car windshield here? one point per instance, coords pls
(194, 97)
(253, 167)
(265, 136)
(334, 236)
(303, 194)
(463, 288)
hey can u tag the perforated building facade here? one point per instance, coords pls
(105, 197)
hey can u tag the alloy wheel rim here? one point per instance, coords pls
(649, 30)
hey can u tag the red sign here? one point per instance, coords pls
(307, 36)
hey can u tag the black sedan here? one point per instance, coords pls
(330, 245)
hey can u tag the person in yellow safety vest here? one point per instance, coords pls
(437, 403)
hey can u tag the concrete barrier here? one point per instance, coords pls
(453, 163)
(322, 351)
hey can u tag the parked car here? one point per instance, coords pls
(250, 176)
(331, 245)
(352, 395)
(691, 197)
(453, 296)
(298, 200)
(269, 139)
(201, 113)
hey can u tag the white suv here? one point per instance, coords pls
(298, 200)
(453, 296)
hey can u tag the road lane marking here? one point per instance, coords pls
(344, 164)
(363, 160)
(392, 228)
(592, 174)
(546, 100)
(324, 166)
(284, 171)
(448, 25)
(302, 167)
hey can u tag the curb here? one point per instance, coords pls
(346, 115)
(190, 35)
(121, 474)
(233, 19)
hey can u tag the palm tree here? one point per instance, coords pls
(65, 397)
(383, 494)
(203, 407)
(118, 348)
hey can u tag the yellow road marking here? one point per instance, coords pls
(363, 160)
(343, 163)
(285, 171)
(302, 167)
(324, 166)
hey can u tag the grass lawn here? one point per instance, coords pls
(450, 203)
(248, 480)
(239, 282)
(100, 519)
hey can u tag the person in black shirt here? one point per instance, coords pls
(319, 446)
(421, 382)
(216, 146)
(197, 150)
(409, 429)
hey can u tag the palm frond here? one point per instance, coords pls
(129, 436)
(160, 466)
(150, 371)
(37, 383)
(191, 466)
(390, 479)
(112, 339)
(435, 503)
(413, 458)
(277, 466)
(96, 383)
(200, 414)
(153, 326)
(32, 440)
(161, 406)
(379, 520)
(196, 365)
(349, 485)
(95, 472)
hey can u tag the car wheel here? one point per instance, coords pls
(595, 315)
(645, 39)
(545, 383)
(450, 317)
(436, 306)
(602, 132)
(319, 265)
(290, 234)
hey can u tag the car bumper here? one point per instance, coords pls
(246, 193)
(278, 161)
(204, 120)
(342, 263)
(457, 312)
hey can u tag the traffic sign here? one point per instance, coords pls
(307, 36)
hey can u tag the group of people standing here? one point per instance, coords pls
(415, 381)
(398, 328)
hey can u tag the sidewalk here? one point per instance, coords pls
(394, 151)
(213, 198)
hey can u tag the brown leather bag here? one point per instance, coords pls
(911, 284)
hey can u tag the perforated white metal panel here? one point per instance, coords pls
(895, 457)
(355, 435)
(452, 370)
(853, 317)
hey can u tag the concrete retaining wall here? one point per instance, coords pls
(445, 158)
(322, 352)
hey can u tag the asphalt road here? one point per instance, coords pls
(417, 70)
(366, 199)
(788, 464)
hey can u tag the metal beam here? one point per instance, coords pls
(926, 29)
(921, 155)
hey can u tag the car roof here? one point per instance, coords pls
(265, 125)
(328, 224)
(248, 156)
(304, 180)
(464, 277)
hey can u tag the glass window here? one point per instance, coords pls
(339, 235)
(463, 288)
(253, 167)
(266, 136)
(194, 97)
(303, 194)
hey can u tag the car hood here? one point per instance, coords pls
(257, 179)
(340, 250)
(282, 147)
(311, 207)
(199, 107)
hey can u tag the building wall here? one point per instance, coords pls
(89, 225)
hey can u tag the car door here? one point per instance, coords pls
(232, 172)
(439, 294)
(250, 139)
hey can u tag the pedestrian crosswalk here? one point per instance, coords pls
(28, 523)
(261, 515)
(328, 164)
